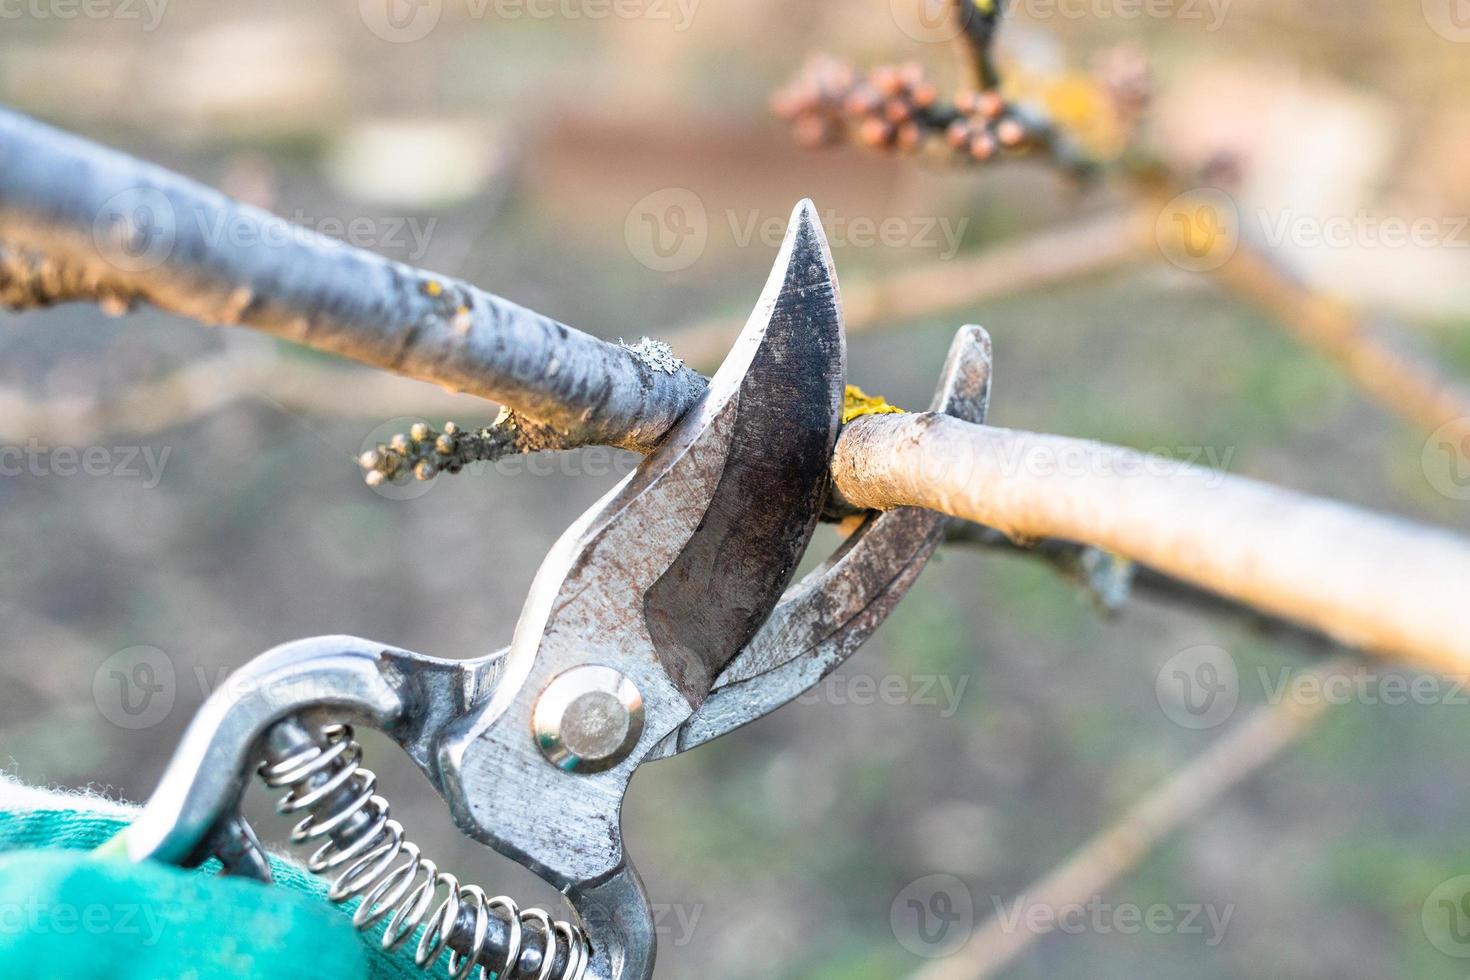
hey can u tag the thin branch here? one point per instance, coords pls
(1185, 797)
(1374, 583)
(896, 110)
(1111, 582)
(1407, 385)
(121, 231)
(980, 22)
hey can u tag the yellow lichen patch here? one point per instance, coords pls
(1079, 104)
(857, 403)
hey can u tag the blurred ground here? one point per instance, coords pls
(622, 173)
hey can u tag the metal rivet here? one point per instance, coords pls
(588, 719)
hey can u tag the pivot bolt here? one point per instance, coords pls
(588, 719)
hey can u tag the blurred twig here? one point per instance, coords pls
(1408, 385)
(896, 110)
(1111, 582)
(1114, 852)
(1047, 259)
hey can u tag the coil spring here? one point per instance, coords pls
(366, 850)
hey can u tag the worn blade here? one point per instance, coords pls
(784, 383)
(825, 618)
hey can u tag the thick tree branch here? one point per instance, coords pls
(1372, 582)
(121, 231)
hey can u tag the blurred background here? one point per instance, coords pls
(617, 166)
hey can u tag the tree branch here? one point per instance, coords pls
(1372, 582)
(120, 231)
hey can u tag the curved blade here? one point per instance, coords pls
(667, 578)
(825, 618)
(784, 381)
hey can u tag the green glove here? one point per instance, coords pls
(67, 912)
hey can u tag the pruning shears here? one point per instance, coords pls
(660, 620)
